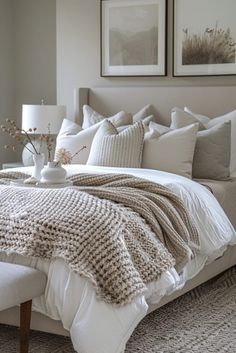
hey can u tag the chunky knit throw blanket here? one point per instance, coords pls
(119, 231)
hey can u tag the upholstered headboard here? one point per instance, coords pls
(210, 101)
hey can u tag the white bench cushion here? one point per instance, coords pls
(19, 284)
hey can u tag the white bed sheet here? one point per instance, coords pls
(97, 327)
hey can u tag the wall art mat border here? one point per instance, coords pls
(204, 37)
(133, 37)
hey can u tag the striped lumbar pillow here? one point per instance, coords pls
(113, 149)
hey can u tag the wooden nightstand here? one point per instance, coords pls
(12, 165)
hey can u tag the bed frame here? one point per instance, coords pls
(210, 101)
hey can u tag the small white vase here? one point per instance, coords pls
(38, 165)
(53, 173)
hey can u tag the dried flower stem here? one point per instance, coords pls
(65, 156)
(81, 149)
(30, 141)
(23, 137)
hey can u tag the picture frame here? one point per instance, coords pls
(133, 37)
(204, 38)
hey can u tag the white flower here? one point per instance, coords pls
(63, 156)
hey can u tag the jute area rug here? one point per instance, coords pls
(201, 321)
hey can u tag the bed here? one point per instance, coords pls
(215, 258)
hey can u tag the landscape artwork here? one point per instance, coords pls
(204, 37)
(133, 36)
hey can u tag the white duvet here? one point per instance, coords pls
(96, 327)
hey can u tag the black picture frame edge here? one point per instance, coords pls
(165, 50)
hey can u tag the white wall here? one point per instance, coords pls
(78, 54)
(7, 93)
(27, 59)
(35, 57)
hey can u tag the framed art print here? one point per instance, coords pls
(133, 37)
(204, 34)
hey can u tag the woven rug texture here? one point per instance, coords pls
(201, 321)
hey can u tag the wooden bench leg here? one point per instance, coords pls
(25, 317)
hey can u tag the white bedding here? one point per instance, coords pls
(97, 327)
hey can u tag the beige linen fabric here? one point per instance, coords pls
(113, 149)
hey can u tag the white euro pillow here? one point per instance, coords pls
(143, 113)
(181, 118)
(72, 137)
(91, 117)
(68, 127)
(202, 118)
(170, 150)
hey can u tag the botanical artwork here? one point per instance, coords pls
(204, 37)
(133, 35)
(213, 46)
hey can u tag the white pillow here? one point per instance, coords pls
(171, 152)
(146, 111)
(113, 149)
(68, 127)
(72, 137)
(180, 118)
(202, 118)
(145, 122)
(91, 117)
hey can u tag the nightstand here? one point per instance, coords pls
(12, 165)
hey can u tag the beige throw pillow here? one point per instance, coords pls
(72, 137)
(223, 119)
(113, 149)
(170, 150)
(179, 120)
(91, 117)
(212, 153)
(202, 118)
(146, 111)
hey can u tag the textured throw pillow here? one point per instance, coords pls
(113, 149)
(72, 137)
(212, 153)
(91, 117)
(180, 118)
(170, 150)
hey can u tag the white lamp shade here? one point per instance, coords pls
(39, 116)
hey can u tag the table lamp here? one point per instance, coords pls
(43, 118)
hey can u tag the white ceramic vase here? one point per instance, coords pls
(38, 165)
(53, 173)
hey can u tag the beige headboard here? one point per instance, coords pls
(210, 101)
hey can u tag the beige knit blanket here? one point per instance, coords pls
(119, 231)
